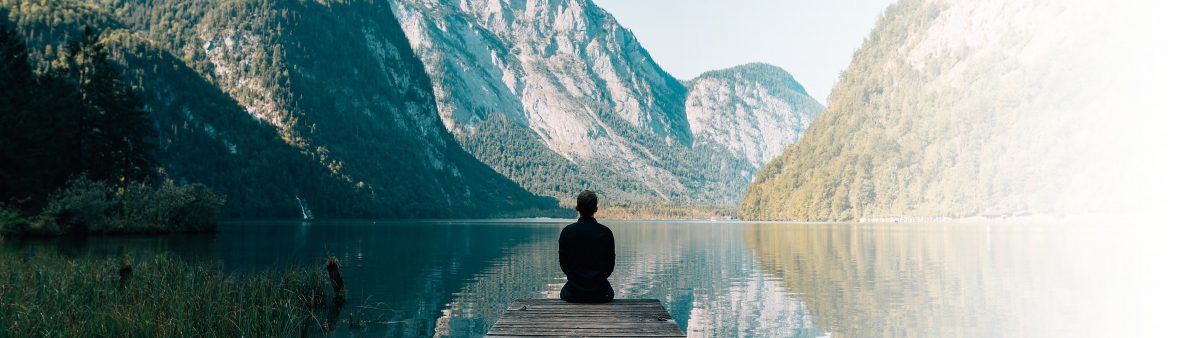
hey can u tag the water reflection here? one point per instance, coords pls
(702, 272)
(401, 275)
(717, 279)
(947, 280)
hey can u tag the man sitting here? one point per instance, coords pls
(587, 254)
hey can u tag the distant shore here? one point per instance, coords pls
(1023, 218)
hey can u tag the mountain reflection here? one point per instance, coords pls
(937, 280)
(717, 279)
(400, 274)
(702, 272)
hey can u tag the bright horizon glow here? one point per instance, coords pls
(814, 40)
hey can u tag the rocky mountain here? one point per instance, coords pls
(364, 108)
(965, 108)
(557, 96)
(753, 110)
(292, 108)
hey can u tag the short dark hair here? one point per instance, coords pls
(588, 203)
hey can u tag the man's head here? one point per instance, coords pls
(588, 203)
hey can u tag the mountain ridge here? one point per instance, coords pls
(342, 144)
(754, 66)
(429, 108)
(754, 110)
(960, 109)
(582, 93)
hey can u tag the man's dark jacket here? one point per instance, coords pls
(587, 254)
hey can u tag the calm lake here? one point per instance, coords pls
(720, 279)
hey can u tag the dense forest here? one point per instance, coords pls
(287, 108)
(956, 109)
(77, 150)
(77, 119)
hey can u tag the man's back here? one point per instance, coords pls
(587, 254)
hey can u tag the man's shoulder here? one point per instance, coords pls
(587, 226)
(571, 228)
(602, 230)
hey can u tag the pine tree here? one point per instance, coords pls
(70, 122)
(17, 77)
(116, 136)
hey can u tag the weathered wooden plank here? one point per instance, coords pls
(554, 317)
(581, 334)
(600, 305)
(580, 325)
(536, 310)
(574, 319)
(589, 332)
(591, 308)
(559, 301)
(615, 316)
(598, 326)
(581, 313)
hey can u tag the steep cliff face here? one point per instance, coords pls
(310, 107)
(557, 91)
(955, 108)
(753, 110)
(549, 64)
(339, 83)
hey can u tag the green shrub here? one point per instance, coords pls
(83, 206)
(168, 208)
(11, 220)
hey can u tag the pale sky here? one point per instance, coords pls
(814, 40)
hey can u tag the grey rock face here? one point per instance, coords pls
(753, 110)
(570, 78)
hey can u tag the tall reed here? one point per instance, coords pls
(45, 293)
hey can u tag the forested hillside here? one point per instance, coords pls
(559, 97)
(288, 107)
(963, 108)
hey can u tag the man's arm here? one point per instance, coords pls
(565, 258)
(609, 254)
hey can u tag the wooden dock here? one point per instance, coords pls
(555, 317)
